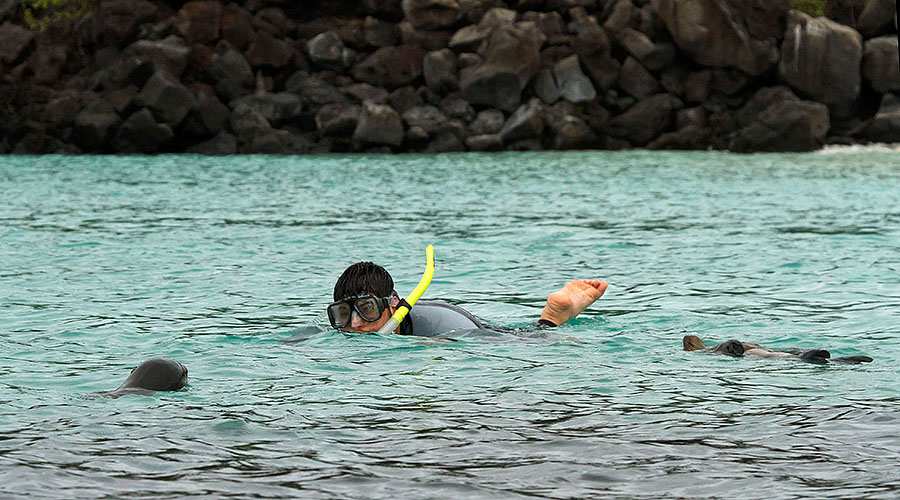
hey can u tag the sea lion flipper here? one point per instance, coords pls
(852, 360)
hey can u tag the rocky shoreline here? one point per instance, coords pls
(270, 76)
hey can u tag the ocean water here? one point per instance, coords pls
(215, 262)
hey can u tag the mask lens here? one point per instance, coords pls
(368, 308)
(339, 314)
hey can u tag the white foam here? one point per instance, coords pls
(861, 148)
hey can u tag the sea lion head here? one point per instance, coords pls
(157, 374)
(692, 343)
(730, 348)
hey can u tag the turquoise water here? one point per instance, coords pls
(108, 261)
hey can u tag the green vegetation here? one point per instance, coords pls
(814, 8)
(40, 14)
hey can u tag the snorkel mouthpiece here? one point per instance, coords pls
(411, 299)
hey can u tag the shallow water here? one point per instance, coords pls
(215, 261)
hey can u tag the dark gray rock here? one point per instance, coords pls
(273, 21)
(128, 71)
(485, 142)
(430, 14)
(121, 99)
(545, 86)
(469, 38)
(223, 144)
(445, 142)
(653, 56)
(784, 126)
(427, 117)
(511, 59)
(497, 16)
(761, 100)
(590, 38)
(691, 117)
(728, 81)
(207, 118)
(269, 52)
(359, 92)
(231, 75)
(644, 121)
(624, 15)
(416, 138)
(487, 122)
(277, 108)
(94, 125)
(550, 23)
(636, 80)
(236, 27)
(390, 67)
(691, 137)
(573, 85)
(337, 120)
(573, 133)
(821, 60)
(170, 54)
(533, 144)
(877, 18)
(378, 125)
(277, 142)
(47, 61)
(8, 9)
(378, 33)
(525, 123)
(199, 21)
(468, 60)
(439, 69)
(404, 98)
(885, 126)
(61, 111)
(422, 38)
(721, 33)
(37, 143)
(696, 87)
(387, 9)
(673, 80)
(141, 134)
(457, 108)
(881, 64)
(167, 98)
(844, 11)
(602, 69)
(313, 91)
(117, 22)
(328, 50)
(247, 124)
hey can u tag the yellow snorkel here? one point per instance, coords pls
(406, 304)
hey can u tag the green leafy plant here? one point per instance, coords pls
(814, 8)
(40, 14)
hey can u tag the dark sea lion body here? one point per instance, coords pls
(739, 349)
(157, 374)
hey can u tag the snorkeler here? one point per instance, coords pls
(365, 299)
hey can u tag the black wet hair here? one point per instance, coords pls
(363, 278)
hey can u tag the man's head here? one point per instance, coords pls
(352, 293)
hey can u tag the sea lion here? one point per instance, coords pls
(157, 374)
(740, 349)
